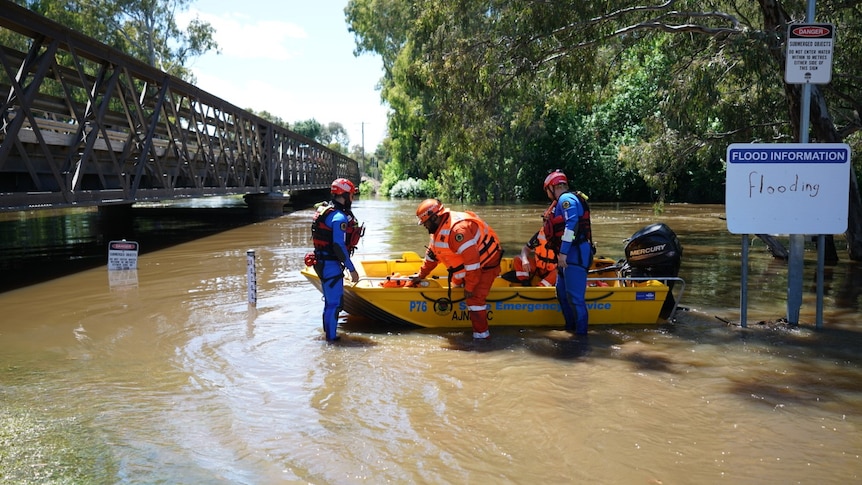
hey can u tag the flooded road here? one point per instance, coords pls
(168, 375)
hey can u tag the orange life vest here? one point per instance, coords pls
(485, 239)
(546, 260)
(543, 262)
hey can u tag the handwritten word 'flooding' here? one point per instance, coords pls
(757, 185)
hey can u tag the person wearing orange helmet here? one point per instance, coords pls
(335, 234)
(568, 233)
(471, 251)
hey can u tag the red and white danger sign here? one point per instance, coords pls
(122, 255)
(809, 53)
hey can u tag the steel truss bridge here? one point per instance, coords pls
(82, 124)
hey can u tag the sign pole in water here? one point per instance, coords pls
(251, 276)
(808, 61)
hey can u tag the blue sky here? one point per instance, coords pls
(293, 59)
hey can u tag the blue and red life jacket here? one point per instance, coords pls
(554, 226)
(321, 234)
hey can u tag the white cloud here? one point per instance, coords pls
(296, 70)
(242, 37)
(250, 93)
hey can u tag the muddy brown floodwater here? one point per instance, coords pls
(168, 375)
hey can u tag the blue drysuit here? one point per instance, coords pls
(572, 281)
(331, 262)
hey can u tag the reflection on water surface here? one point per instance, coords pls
(172, 377)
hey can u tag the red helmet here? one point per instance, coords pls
(428, 208)
(343, 186)
(554, 178)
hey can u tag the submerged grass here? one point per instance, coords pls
(41, 449)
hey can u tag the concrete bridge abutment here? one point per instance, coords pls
(267, 206)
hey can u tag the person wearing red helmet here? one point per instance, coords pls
(568, 233)
(335, 234)
(471, 251)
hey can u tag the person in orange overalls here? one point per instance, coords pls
(471, 251)
(540, 267)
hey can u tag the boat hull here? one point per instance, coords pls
(509, 304)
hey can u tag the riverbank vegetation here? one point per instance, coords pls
(636, 101)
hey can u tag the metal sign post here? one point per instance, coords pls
(808, 61)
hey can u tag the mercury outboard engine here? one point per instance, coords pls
(654, 252)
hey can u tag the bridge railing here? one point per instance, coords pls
(83, 124)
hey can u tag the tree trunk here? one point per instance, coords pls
(854, 221)
(776, 249)
(825, 132)
(775, 19)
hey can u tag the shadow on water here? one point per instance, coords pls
(40, 246)
(545, 342)
(801, 364)
(807, 366)
(818, 364)
(350, 340)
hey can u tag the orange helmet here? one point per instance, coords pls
(428, 208)
(343, 186)
(554, 178)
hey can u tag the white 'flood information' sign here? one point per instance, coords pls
(792, 188)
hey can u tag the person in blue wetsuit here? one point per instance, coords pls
(569, 234)
(335, 233)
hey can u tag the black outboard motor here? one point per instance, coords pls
(654, 252)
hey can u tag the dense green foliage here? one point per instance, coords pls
(636, 101)
(144, 29)
(332, 134)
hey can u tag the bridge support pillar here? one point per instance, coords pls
(267, 206)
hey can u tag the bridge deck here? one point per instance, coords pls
(82, 124)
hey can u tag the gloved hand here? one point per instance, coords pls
(354, 277)
(415, 279)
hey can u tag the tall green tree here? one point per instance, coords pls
(459, 65)
(310, 128)
(150, 32)
(335, 136)
(144, 29)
